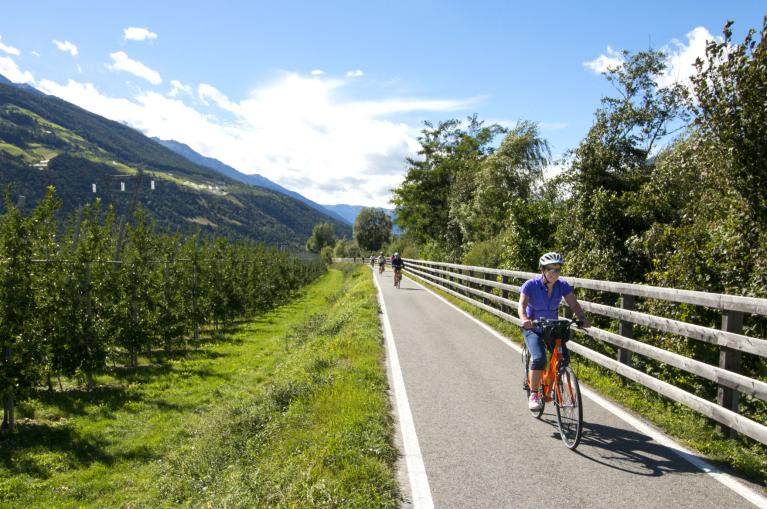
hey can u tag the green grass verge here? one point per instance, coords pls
(742, 455)
(289, 410)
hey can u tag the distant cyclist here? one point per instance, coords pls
(372, 260)
(397, 264)
(381, 263)
(539, 298)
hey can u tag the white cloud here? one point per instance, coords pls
(10, 70)
(138, 34)
(605, 62)
(318, 72)
(66, 47)
(205, 92)
(9, 49)
(35, 53)
(298, 131)
(355, 74)
(681, 57)
(123, 62)
(179, 87)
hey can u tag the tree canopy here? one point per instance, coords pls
(372, 229)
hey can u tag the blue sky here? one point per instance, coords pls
(327, 98)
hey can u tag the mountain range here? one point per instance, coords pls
(47, 141)
(253, 180)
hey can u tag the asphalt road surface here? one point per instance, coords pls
(482, 448)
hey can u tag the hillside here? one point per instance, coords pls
(254, 180)
(47, 141)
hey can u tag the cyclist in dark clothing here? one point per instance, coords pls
(397, 263)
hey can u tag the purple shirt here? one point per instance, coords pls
(539, 304)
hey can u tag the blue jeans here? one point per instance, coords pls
(537, 347)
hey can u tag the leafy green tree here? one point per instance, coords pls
(20, 357)
(327, 255)
(134, 313)
(322, 235)
(47, 280)
(610, 166)
(372, 228)
(729, 105)
(173, 308)
(83, 336)
(346, 248)
(432, 202)
(507, 181)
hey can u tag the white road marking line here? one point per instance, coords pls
(727, 480)
(419, 483)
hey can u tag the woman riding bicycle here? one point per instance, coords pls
(397, 264)
(539, 298)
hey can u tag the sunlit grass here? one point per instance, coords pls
(289, 408)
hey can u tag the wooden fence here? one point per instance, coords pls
(476, 284)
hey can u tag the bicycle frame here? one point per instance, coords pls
(549, 376)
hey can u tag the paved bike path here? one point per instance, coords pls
(482, 448)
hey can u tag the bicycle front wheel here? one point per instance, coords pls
(569, 408)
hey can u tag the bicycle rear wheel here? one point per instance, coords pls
(526, 359)
(569, 408)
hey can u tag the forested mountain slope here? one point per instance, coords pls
(47, 141)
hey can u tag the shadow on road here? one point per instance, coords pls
(625, 450)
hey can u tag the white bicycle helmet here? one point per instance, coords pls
(396, 254)
(550, 259)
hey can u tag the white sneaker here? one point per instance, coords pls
(534, 403)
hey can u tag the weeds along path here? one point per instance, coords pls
(287, 410)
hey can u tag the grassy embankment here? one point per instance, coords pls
(289, 410)
(743, 456)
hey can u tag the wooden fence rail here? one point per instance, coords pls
(481, 286)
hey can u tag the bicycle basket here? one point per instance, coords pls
(557, 329)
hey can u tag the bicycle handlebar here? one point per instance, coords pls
(549, 322)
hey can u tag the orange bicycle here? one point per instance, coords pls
(559, 383)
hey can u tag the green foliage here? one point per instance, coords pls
(326, 255)
(106, 291)
(20, 356)
(433, 203)
(505, 178)
(728, 100)
(315, 436)
(372, 229)
(611, 164)
(322, 235)
(486, 253)
(346, 248)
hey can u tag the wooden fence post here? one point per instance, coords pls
(625, 329)
(729, 359)
(505, 294)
